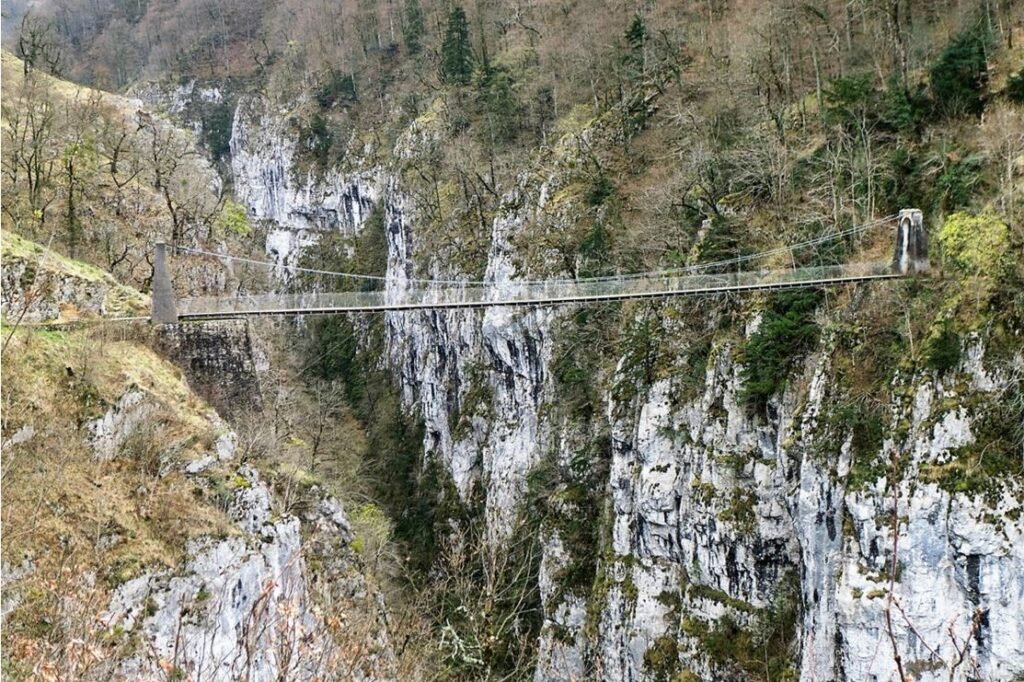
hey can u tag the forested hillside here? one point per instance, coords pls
(814, 485)
(842, 113)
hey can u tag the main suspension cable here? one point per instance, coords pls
(701, 267)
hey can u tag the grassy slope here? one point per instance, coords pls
(85, 525)
(111, 178)
(17, 251)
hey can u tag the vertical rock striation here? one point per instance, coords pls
(298, 203)
(721, 524)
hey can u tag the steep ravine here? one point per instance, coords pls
(721, 522)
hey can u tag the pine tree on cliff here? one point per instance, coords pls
(456, 53)
(636, 40)
(415, 25)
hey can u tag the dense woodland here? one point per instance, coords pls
(814, 113)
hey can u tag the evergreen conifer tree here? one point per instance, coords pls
(412, 31)
(456, 53)
(636, 34)
(636, 39)
(960, 75)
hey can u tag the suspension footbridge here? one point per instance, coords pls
(909, 257)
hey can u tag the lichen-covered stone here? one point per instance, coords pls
(218, 360)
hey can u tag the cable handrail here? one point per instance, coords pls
(517, 293)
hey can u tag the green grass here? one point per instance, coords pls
(120, 299)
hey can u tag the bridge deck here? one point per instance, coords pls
(535, 293)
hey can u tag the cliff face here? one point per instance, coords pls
(299, 204)
(244, 605)
(262, 601)
(726, 535)
(712, 507)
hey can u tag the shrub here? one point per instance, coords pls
(662, 658)
(232, 220)
(337, 87)
(317, 139)
(901, 183)
(763, 649)
(960, 75)
(721, 241)
(977, 244)
(594, 251)
(584, 341)
(849, 99)
(958, 183)
(336, 347)
(741, 511)
(599, 190)
(373, 529)
(1015, 87)
(866, 422)
(642, 351)
(787, 331)
(904, 110)
(943, 351)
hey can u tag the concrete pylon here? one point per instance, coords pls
(164, 310)
(911, 254)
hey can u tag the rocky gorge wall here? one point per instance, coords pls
(723, 527)
(714, 512)
(246, 605)
(298, 203)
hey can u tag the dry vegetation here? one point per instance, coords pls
(79, 525)
(101, 180)
(89, 505)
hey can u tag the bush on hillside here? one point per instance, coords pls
(976, 244)
(1015, 87)
(959, 182)
(233, 219)
(943, 350)
(960, 75)
(336, 88)
(317, 139)
(786, 333)
(849, 100)
(905, 110)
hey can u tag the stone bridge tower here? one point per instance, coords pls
(164, 311)
(911, 254)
